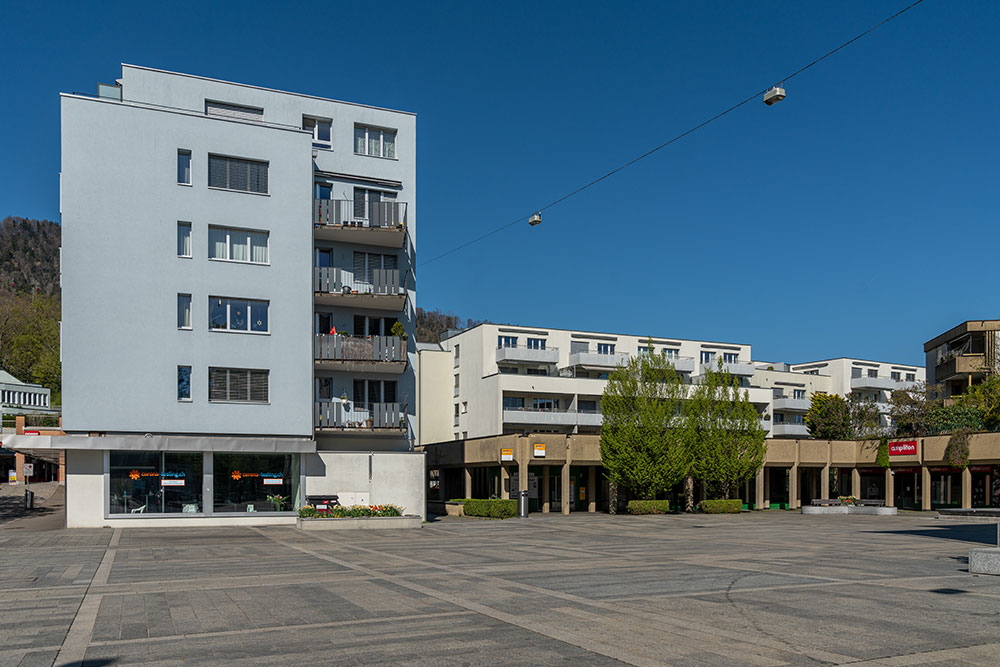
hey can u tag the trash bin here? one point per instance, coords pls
(522, 505)
(29, 499)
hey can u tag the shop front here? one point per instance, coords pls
(906, 487)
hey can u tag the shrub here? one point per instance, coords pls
(882, 457)
(648, 506)
(353, 511)
(721, 506)
(492, 509)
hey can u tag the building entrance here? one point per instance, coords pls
(982, 485)
(906, 488)
(946, 487)
(872, 483)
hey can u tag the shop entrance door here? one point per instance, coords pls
(906, 488)
(982, 485)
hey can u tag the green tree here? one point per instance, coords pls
(829, 417)
(912, 409)
(724, 434)
(865, 421)
(985, 399)
(642, 443)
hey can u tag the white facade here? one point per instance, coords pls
(19, 398)
(237, 271)
(498, 379)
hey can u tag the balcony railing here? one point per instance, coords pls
(334, 347)
(359, 416)
(345, 213)
(552, 417)
(529, 355)
(598, 359)
(331, 280)
(738, 367)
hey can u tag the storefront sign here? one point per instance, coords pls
(903, 448)
(506, 454)
(29, 469)
(871, 471)
(980, 468)
(167, 481)
(12, 477)
(273, 480)
(539, 450)
(944, 469)
(906, 471)
(32, 433)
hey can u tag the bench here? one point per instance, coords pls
(870, 503)
(827, 502)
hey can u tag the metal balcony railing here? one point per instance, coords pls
(345, 213)
(371, 416)
(333, 280)
(334, 347)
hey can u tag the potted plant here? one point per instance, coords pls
(398, 331)
(277, 501)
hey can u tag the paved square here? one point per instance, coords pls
(768, 588)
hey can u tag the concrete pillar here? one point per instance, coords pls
(925, 488)
(522, 474)
(546, 489)
(591, 488)
(566, 500)
(793, 487)
(890, 488)
(824, 482)
(468, 482)
(966, 488)
(855, 483)
(759, 501)
(19, 425)
(504, 481)
(19, 465)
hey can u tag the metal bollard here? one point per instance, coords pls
(522, 505)
(29, 500)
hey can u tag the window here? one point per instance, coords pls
(323, 191)
(588, 406)
(374, 391)
(545, 403)
(671, 354)
(798, 419)
(239, 385)
(184, 239)
(855, 372)
(507, 370)
(366, 263)
(730, 357)
(799, 393)
(895, 375)
(374, 141)
(183, 383)
(183, 167)
(230, 173)
(321, 129)
(238, 245)
(227, 314)
(911, 377)
(366, 201)
(458, 349)
(373, 326)
(707, 357)
(233, 111)
(643, 349)
(324, 389)
(324, 258)
(536, 343)
(536, 371)
(873, 372)
(513, 403)
(506, 341)
(183, 311)
(155, 483)
(243, 482)
(605, 348)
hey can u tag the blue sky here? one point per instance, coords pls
(856, 218)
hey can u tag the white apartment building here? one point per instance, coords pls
(518, 380)
(21, 398)
(238, 296)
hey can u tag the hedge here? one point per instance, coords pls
(648, 506)
(721, 506)
(493, 509)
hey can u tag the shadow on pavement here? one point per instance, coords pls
(980, 533)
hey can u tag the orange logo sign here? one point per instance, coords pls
(134, 474)
(236, 474)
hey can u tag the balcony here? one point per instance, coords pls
(359, 418)
(536, 417)
(959, 366)
(785, 404)
(337, 287)
(527, 355)
(683, 364)
(742, 368)
(378, 223)
(362, 354)
(879, 383)
(597, 360)
(789, 431)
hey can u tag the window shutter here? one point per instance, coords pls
(233, 111)
(390, 391)
(258, 176)
(239, 385)
(359, 266)
(217, 384)
(359, 203)
(258, 386)
(578, 346)
(388, 262)
(217, 172)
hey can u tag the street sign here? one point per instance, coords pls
(29, 469)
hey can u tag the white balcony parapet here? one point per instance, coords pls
(789, 430)
(744, 368)
(527, 355)
(597, 360)
(880, 383)
(551, 417)
(785, 404)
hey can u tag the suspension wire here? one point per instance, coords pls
(697, 127)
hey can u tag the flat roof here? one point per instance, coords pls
(270, 90)
(867, 361)
(599, 333)
(967, 326)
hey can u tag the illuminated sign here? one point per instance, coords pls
(172, 479)
(506, 454)
(903, 448)
(539, 450)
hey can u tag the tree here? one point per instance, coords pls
(432, 323)
(984, 398)
(642, 442)
(865, 421)
(725, 439)
(829, 417)
(912, 409)
(920, 410)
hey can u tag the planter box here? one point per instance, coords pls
(984, 561)
(362, 523)
(455, 509)
(849, 509)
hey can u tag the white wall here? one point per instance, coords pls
(84, 488)
(396, 478)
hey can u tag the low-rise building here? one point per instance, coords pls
(22, 398)
(963, 356)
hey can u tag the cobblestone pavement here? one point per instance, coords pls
(768, 588)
